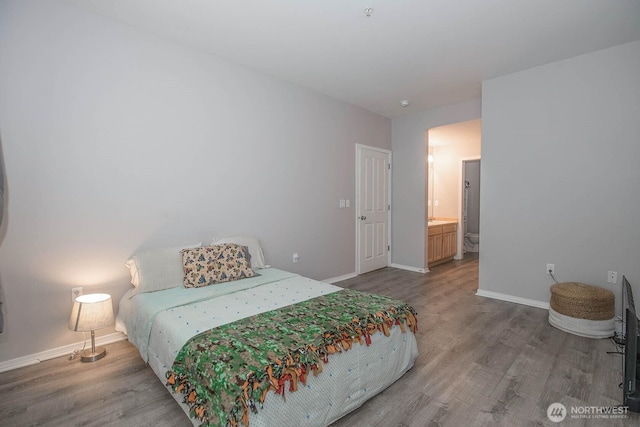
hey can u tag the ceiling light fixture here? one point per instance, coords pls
(404, 103)
(368, 11)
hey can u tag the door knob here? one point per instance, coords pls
(363, 217)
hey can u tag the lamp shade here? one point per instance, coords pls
(91, 312)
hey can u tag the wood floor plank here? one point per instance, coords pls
(482, 362)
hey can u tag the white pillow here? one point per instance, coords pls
(252, 243)
(157, 269)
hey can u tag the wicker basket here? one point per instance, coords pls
(582, 301)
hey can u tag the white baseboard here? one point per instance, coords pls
(409, 268)
(511, 298)
(32, 359)
(341, 278)
(352, 275)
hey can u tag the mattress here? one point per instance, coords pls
(160, 323)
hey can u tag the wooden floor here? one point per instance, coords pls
(482, 362)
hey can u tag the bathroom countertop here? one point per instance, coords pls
(441, 222)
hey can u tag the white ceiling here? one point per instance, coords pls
(431, 52)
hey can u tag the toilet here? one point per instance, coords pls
(472, 242)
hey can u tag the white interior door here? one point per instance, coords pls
(372, 209)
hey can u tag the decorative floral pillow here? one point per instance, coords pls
(215, 264)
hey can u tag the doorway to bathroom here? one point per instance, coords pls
(448, 147)
(470, 206)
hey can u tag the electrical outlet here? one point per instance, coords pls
(551, 269)
(75, 293)
(296, 257)
(612, 277)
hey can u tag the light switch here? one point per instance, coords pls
(348, 203)
(342, 203)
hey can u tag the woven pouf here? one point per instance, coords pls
(585, 310)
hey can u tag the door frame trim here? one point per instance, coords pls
(359, 148)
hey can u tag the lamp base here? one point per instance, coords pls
(92, 356)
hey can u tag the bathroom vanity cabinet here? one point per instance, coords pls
(441, 241)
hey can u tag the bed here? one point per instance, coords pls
(295, 351)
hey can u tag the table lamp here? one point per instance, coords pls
(91, 312)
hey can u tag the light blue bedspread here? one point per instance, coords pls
(136, 314)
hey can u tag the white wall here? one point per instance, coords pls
(115, 140)
(449, 145)
(560, 174)
(410, 181)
